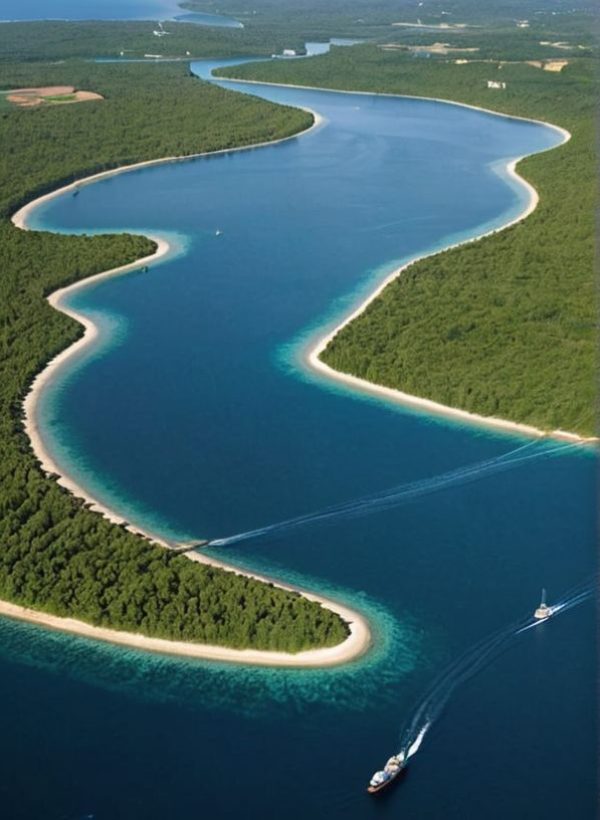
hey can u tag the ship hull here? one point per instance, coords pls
(386, 784)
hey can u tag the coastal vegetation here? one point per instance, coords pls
(39, 41)
(147, 112)
(525, 296)
(56, 555)
(506, 326)
(489, 26)
(271, 26)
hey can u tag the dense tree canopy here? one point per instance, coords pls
(506, 326)
(55, 554)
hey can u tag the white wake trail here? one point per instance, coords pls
(412, 750)
(400, 494)
(431, 706)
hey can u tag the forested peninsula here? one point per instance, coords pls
(57, 556)
(505, 326)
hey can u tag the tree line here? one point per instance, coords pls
(55, 554)
(506, 326)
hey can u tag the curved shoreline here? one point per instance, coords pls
(359, 638)
(562, 131)
(19, 218)
(353, 647)
(312, 357)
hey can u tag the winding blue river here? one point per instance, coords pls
(197, 417)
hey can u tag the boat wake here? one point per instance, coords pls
(416, 744)
(402, 493)
(429, 709)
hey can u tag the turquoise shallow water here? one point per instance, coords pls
(197, 418)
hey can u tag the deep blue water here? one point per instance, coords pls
(196, 417)
(108, 10)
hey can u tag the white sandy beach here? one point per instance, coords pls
(359, 639)
(314, 361)
(355, 645)
(44, 378)
(313, 356)
(19, 218)
(566, 135)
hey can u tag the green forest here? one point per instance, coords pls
(526, 297)
(370, 13)
(52, 40)
(506, 326)
(57, 556)
(487, 24)
(272, 25)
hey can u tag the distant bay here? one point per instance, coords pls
(108, 10)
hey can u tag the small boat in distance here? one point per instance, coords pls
(381, 780)
(543, 611)
(218, 232)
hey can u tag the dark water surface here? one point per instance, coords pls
(197, 418)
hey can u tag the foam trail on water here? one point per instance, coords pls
(472, 661)
(528, 626)
(578, 589)
(575, 601)
(400, 494)
(416, 745)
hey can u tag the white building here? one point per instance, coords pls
(496, 84)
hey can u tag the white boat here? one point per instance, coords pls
(380, 780)
(543, 611)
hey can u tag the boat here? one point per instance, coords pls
(543, 611)
(384, 778)
(218, 232)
